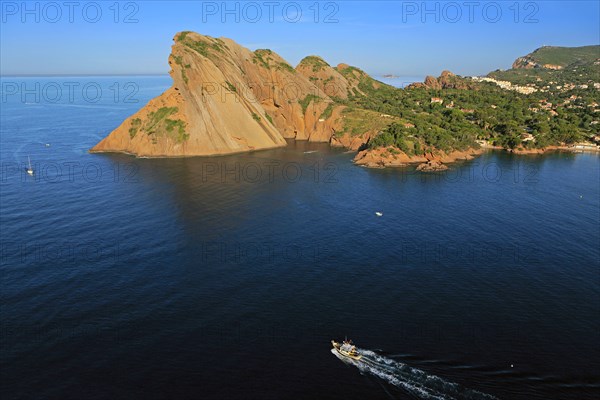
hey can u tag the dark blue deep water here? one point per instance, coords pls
(226, 278)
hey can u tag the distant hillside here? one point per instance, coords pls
(551, 57)
(558, 66)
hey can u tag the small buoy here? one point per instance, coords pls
(512, 366)
(581, 196)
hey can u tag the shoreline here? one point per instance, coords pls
(375, 159)
(391, 157)
(550, 149)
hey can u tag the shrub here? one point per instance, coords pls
(327, 112)
(305, 102)
(231, 87)
(135, 126)
(286, 67)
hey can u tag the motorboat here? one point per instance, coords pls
(29, 168)
(346, 349)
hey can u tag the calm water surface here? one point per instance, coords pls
(227, 277)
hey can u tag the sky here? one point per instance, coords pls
(406, 38)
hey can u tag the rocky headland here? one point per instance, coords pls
(228, 99)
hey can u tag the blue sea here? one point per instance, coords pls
(227, 277)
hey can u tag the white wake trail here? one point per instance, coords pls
(415, 381)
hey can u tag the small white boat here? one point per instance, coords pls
(346, 349)
(29, 169)
(379, 214)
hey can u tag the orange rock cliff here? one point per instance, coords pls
(228, 99)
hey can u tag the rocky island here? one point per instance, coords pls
(228, 99)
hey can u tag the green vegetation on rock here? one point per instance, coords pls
(136, 123)
(327, 112)
(176, 129)
(183, 35)
(285, 67)
(315, 62)
(158, 125)
(357, 121)
(565, 56)
(231, 87)
(156, 117)
(262, 57)
(351, 73)
(305, 102)
(179, 61)
(203, 47)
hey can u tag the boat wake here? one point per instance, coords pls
(415, 381)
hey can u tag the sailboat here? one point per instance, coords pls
(30, 169)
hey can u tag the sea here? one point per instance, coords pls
(227, 277)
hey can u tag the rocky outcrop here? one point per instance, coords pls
(525, 63)
(528, 62)
(432, 166)
(355, 76)
(576, 147)
(356, 142)
(552, 66)
(227, 99)
(325, 77)
(447, 80)
(382, 157)
(205, 112)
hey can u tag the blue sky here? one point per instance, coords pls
(403, 38)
